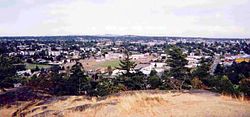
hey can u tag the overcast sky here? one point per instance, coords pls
(204, 18)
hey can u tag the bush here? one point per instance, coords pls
(245, 86)
(196, 83)
(117, 88)
(9, 81)
(107, 86)
(134, 82)
(224, 85)
(103, 88)
(154, 82)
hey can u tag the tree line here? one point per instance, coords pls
(234, 80)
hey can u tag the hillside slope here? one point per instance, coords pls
(136, 104)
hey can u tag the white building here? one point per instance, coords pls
(54, 53)
(193, 60)
(113, 56)
(159, 67)
(138, 56)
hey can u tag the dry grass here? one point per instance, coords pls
(7, 112)
(141, 104)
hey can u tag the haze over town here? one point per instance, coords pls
(202, 18)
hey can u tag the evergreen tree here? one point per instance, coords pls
(153, 72)
(132, 80)
(177, 62)
(104, 87)
(78, 82)
(225, 85)
(127, 64)
(154, 81)
(202, 70)
(219, 70)
(58, 83)
(7, 72)
(108, 86)
(135, 82)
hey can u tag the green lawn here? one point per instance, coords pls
(33, 66)
(112, 63)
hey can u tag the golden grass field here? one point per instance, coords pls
(198, 103)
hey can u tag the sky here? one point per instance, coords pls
(193, 18)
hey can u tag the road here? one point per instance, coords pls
(214, 65)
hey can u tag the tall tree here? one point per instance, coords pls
(78, 81)
(58, 83)
(153, 72)
(127, 64)
(132, 80)
(176, 61)
(202, 69)
(7, 71)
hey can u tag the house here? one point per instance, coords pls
(194, 60)
(16, 85)
(163, 56)
(157, 66)
(113, 56)
(243, 58)
(237, 58)
(118, 72)
(138, 56)
(22, 73)
(54, 53)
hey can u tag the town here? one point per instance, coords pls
(125, 58)
(52, 68)
(97, 54)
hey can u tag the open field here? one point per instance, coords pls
(102, 64)
(137, 104)
(93, 64)
(33, 66)
(105, 64)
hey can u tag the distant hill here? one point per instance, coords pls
(109, 36)
(135, 104)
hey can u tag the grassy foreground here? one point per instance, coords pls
(135, 103)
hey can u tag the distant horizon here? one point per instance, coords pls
(110, 34)
(115, 35)
(184, 18)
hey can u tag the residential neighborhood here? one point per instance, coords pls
(97, 54)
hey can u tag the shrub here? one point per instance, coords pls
(224, 85)
(245, 86)
(154, 82)
(196, 83)
(103, 88)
